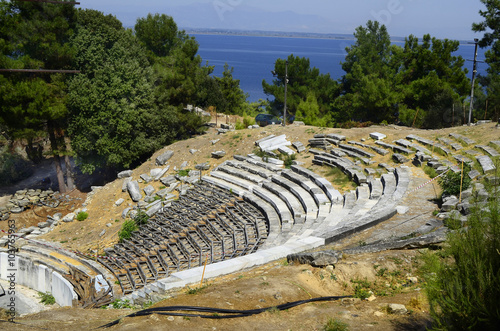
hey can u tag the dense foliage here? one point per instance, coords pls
(463, 282)
(491, 38)
(33, 36)
(303, 82)
(418, 84)
(129, 99)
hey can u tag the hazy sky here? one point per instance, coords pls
(440, 18)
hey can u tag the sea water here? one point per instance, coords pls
(253, 57)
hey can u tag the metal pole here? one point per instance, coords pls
(474, 71)
(286, 85)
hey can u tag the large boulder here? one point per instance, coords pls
(316, 259)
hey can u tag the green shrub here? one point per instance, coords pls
(183, 172)
(121, 304)
(141, 218)
(430, 171)
(46, 298)
(335, 325)
(463, 284)
(82, 216)
(128, 227)
(450, 182)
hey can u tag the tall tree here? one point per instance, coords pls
(369, 92)
(491, 38)
(114, 121)
(302, 79)
(32, 36)
(431, 79)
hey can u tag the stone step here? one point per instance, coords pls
(313, 189)
(291, 200)
(278, 205)
(242, 183)
(253, 169)
(235, 189)
(332, 193)
(241, 173)
(376, 188)
(491, 151)
(304, 197)
(486, 163)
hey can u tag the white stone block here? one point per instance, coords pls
(377, 136)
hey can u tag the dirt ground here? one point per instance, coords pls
(271, 285)
(268, 285)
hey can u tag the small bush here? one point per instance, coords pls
(450, 183)
(463, 281)
(46, 298)
(141, 218)
(82, 216)
(335, 325)
(430, 171)
(127, 228)
(121, 304)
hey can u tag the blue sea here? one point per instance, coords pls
(253, 57)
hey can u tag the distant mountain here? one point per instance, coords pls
(215, 15)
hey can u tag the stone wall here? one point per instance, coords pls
(40, 278)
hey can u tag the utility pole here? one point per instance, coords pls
(474, 71)
(286, 85)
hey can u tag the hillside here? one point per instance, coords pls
(276, 282)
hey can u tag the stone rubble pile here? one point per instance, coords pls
(24, 199)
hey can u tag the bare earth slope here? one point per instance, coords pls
(277, 282)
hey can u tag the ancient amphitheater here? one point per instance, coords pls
(245, 212)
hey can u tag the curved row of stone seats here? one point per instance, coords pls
(238, 169)
(282, 208)
(357, 150)
(395, 186)
(395, 148)
(251, 168)
(377, 150)
(332, 193)
(307, 201)
(232, 169)
(291, 201)
(277, 195)
(346, 165)
(317, 193)
(429, 143)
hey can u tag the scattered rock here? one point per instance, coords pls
(69, 218)
(316, 259)
(218, 154)
(399, 158)
(134, 191)
(146, 178)
(149, 190)
(162, 159)
(102, 233)
(397, 309)
(119, 201)
(125, 174)
(42, 225)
